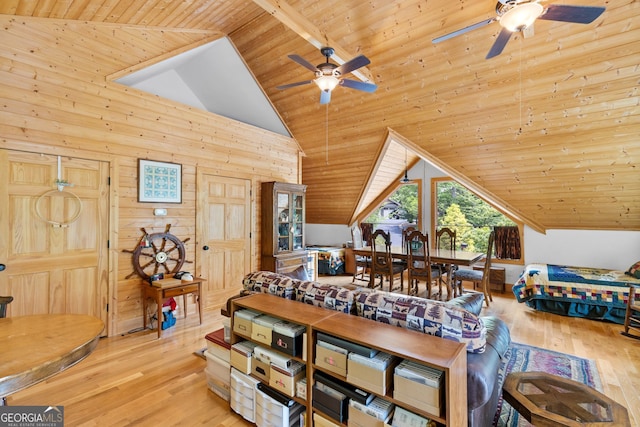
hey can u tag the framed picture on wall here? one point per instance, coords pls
(159, 182)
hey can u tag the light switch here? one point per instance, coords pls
(159, 212)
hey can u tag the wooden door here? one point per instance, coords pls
(224, 236)
(54, 243)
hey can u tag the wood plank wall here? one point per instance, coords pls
(55, 99)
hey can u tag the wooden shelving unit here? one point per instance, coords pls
(446, 355)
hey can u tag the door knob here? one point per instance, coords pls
(2, 267)
(205, 247)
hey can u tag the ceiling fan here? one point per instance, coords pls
(329, 75)
(519, 15)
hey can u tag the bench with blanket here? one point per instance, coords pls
(593, 293)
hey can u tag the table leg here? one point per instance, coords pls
(184, 305)
(449, 285)
(159, 312)
(199, 305)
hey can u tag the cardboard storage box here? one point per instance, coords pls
(378, 412)
(284, 380)
(330, 402)
(243, 320)
(320, 421)
(241, 354)
(331, 358)
(217, 346)
(357, 418)
(287, 338)
(262, 329)
(260, 368)
(420, 386)
(404, 418)
(374, 374)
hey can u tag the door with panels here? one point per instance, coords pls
(54, 239)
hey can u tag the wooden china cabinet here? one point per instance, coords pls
(283, 216)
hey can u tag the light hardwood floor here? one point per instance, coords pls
(139, 380)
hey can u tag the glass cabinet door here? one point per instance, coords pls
(297, 224)
(284, 221)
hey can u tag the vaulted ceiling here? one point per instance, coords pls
(549, 129)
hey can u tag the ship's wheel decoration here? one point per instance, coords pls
(158, 253)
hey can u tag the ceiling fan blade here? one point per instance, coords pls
(306, 64)
(463, 30)
(576, 14)
(354, 64)
(499, 44)
(325, 96)
(363, 86)
(306, 82)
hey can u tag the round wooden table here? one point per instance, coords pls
(547, 400)
(37, 347)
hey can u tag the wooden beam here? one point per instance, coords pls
(284, 13)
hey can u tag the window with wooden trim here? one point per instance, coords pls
(473, 218)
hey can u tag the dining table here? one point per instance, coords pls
(447, 257)
(36, 347)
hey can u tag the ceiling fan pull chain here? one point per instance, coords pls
(326, 134)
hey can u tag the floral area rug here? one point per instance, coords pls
(526, 358)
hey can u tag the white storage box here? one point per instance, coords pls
(243, 395)
(262, 329)
(301, 388)
(271, 413)
(268, 355)
(243, 321)
(226, 327)
(218, 385)
(217, 346)
(217, 367)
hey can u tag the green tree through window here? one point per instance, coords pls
(460, 209)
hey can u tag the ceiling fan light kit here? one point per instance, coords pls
(518, 15)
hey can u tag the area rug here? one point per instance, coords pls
(526, 358)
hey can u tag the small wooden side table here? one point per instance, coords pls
(547, 400)
(161, 291)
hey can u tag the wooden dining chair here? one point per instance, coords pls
(382, 264)
(4, 302)
(419, 263)
(445, 239)
(362, 263)
(478, 277)
(632, 316)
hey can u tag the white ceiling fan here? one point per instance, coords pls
(519, 15)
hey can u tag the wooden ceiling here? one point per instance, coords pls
(550, 129)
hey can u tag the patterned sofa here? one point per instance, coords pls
(486, 338)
